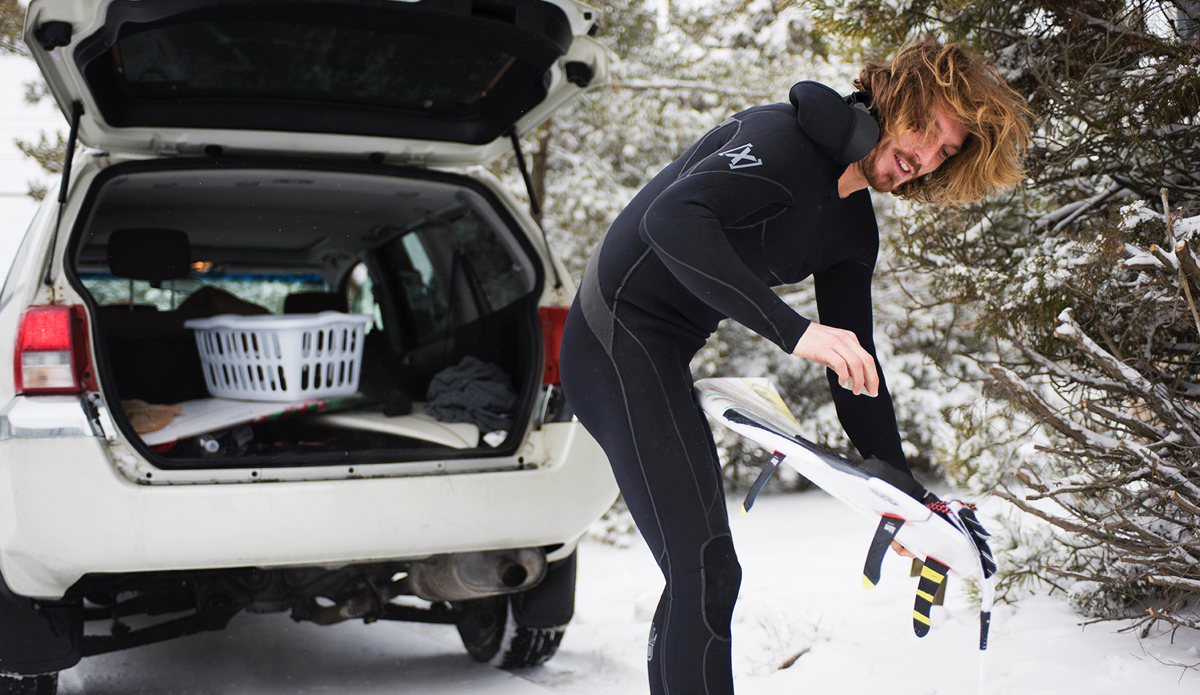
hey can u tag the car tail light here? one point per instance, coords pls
(554, 318)
(52, 355)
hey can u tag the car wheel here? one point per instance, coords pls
(491, 635)
(523, 629)
(45, 684)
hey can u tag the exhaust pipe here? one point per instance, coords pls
(464, 576)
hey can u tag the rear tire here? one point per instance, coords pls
(525, 629)
(491, 635)
(45, 684)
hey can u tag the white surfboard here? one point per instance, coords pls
(753, 409)
(211, 414)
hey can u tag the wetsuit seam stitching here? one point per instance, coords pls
(733, 288)
(686, 170)
(654, 503)
(674, 422)
(625, 278)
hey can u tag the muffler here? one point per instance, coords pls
(464, 576)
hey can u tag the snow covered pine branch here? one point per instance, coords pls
(1121, 399)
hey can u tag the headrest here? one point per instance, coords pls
(314, 303)
(149, 254)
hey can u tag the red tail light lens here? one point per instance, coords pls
(554, 318)
(46, 328)
(51, 352)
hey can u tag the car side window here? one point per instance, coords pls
(424, 293)
(500, 276)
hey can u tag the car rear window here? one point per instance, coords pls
(259, 58)
(267, 290)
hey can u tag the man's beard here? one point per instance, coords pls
(869, 166)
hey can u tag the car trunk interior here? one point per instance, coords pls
(430, 260)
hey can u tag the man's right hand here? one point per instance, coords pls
(840, 351)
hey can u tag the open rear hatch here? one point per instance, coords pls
(268, 113)
(440, 80)
(444, 363)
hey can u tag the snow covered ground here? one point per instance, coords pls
(801, 594)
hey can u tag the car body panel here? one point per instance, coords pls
(64, 516)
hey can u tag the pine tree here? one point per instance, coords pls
(12, 23)
(1085, 280)
(47, 152)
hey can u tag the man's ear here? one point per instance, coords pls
(843, 128)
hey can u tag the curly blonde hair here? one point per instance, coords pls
(926, 75)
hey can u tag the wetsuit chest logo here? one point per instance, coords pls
(740, 158)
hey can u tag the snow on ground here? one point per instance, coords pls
(801, 594)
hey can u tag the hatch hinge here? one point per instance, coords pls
(535, 208)
(76, 115)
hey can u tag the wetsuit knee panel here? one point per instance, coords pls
(722, 578)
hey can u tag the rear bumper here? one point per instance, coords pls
(66, 511)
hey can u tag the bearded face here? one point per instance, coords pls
(897, 160)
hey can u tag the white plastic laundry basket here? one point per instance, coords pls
(281, 358)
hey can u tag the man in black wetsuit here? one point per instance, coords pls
(772, 196)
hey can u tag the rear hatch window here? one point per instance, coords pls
(431, 70)
(235, 58)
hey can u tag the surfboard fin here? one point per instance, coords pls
(760, 482)
(933, 575)
(885, 533)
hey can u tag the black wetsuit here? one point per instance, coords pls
(753, 204)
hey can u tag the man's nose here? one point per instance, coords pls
(927, 156)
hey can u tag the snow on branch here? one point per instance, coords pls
(1157, 399)
(1031, 399)
(1067, 214)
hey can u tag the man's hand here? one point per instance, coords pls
(840, 351)
(902, 551)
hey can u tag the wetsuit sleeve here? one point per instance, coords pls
(844, 301)
(685, 227)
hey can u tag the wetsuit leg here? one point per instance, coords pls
(636, 400)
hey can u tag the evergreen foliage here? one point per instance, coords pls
(47, 152)
(12, 23)
(1085, 280)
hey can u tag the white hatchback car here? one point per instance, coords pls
(296, 183)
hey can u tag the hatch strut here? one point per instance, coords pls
(76, 114)
(534, 208)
